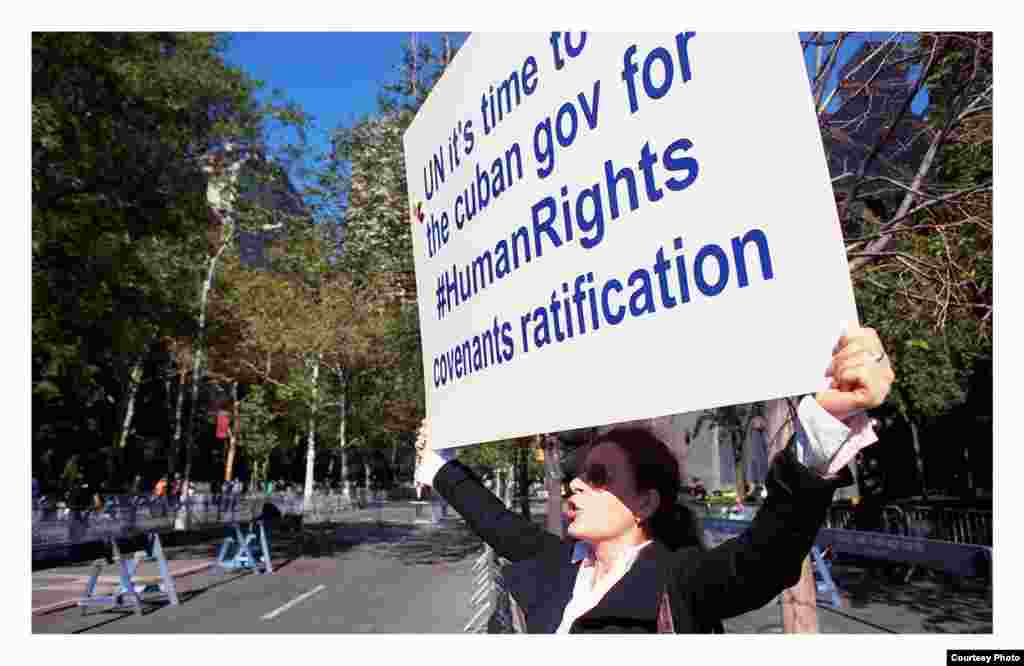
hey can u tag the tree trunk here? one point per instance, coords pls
(908, 412)
(499, 483)
(553, 484)
(741, 467)
(172, 459)
(307, 492)
(346, 487)
(714, 480)
(168, 384)
(197, 362)
(233, 435)
(125, 412)
(510, 486)
(969, 491)
(799, 609)
(522, 482)
(918, 458)
(134, 378)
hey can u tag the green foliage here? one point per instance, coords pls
(120, 122)
(260, 431)
(368, 159)
(932, 300)
(489, 457)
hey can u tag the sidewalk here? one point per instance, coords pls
(62, 588)
(928, 604)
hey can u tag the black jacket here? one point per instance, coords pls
(686, 591)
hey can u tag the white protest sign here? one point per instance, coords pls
(609, 227)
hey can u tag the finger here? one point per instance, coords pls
(873, 365)
(839, 404)
(858, 360)
(852, 345)
(856, 333)
(852, 352)
(865, 383)
(864, 340)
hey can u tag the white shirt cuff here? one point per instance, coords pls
(820, 435)
(426, 472)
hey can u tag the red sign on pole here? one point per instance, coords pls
(222, 425)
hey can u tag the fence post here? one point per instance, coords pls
(489, 598)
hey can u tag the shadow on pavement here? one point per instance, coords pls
(444, 544)
(943, 604)
(449, 542)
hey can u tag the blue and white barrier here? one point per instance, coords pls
(955, 558)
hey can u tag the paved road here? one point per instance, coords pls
(400, 577)
(394, 578)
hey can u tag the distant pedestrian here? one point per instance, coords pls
(225, 496)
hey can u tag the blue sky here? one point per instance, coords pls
(334, 76)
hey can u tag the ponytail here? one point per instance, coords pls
(676, 526)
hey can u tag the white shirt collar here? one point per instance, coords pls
(584, 551)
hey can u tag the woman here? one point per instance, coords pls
(633, 561)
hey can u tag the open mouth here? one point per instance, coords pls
(572, 511)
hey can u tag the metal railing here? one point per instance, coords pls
(55, 529)
(942, 523)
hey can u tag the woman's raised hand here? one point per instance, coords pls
(428, 461)
(861, 374)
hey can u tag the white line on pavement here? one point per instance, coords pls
(274, 613)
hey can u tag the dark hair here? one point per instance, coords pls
(654, 467)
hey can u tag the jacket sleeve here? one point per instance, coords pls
(748, 571)
(511, 536)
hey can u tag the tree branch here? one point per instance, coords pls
(918, 297)
(856, 69)
(885, 237)
(926, 163)
(918, 227)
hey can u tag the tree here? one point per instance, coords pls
(930, 286)
(259, 435)
(513, 465)
(388, 402)
(119, 124)
(884, 160)
(736, 422)
(302, 315)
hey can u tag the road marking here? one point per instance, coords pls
(274, 613)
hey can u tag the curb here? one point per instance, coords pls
(67, 603)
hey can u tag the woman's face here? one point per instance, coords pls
(604, 504)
